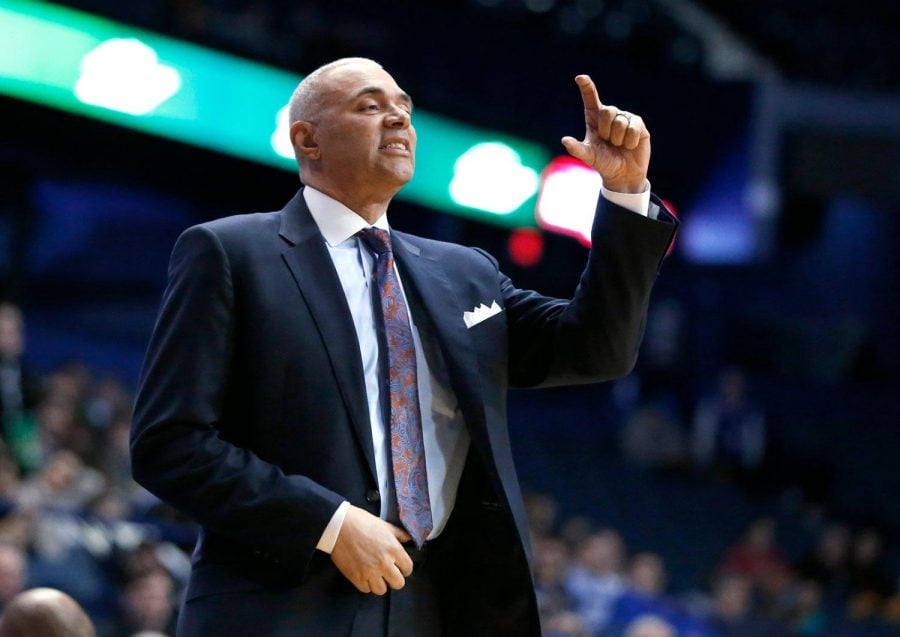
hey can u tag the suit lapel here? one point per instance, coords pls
(441, 309)
(313, 270)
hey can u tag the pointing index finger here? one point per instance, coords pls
(588, 92)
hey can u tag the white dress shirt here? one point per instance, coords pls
(444, 434)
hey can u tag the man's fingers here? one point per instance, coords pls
(617, 130)
(401, 534)
(405, 564)
(588, 92)
(369, 553)
(377, 586)
(616, 143)
(576, 149)
(633, 133)
(394, 578)
(606, 118)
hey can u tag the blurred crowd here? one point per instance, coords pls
(590, 585)
(72, 519)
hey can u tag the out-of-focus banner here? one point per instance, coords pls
(102, 69)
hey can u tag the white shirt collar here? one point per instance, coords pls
(336, 222)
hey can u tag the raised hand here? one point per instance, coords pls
(616, 143)
(368, 552)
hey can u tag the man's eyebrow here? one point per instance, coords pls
(368, 90)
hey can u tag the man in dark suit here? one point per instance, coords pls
(327, 396)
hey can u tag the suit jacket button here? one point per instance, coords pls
(372, 496)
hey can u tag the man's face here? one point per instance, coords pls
(363, 130)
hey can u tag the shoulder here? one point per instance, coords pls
(233, 234)
(448, 252)
(225, 243)
(242, 227)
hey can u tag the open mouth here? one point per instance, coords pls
(396, 144)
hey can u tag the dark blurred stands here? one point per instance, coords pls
(824, 41)
(621, 548)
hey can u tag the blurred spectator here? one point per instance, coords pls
(551, 563)
(13, 573)
(108, 400)
(733, 614)
(828, 564)
(644, 589)
(596, 581)
(650, 626)
(563, 624)
(65, 483)
(12, 346)
(9, 481)
(867, 575)
(644, 596)
(729, 428)
(778, 590)
(646, 574)
(809, 619)
(148, 603)
(652, 438)
(115, 456)
(755, 555)
(868, 585)
(575, 530)
(45, 612)
(540, 509)
(16, 388)
(892, 612)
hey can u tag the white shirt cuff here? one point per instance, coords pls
(639, 202)
(330, 535)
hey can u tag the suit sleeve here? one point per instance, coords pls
(594, 336)
(177, 452)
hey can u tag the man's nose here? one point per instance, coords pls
(397, 118)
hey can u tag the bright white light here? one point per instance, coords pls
(281, 138)
(568, 198)
(125, 75)
(490, 176)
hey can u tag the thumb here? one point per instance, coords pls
(576, 149)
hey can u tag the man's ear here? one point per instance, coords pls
(303, 138)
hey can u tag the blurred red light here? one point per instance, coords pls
(526, 247)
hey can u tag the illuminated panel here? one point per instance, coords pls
(98, 68)
(568, 198)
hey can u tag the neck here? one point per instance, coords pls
(371, 205)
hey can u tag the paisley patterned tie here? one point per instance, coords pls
(407, 447)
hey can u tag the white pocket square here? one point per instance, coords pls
(480, 313)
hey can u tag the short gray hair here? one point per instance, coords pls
(306, 99)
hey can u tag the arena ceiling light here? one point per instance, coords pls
(84, 64)
(125, 75)
(490, 176)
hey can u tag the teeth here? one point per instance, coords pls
(396, 145)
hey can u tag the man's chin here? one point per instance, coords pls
(400, 177)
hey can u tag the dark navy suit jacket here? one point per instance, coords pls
(251, 415)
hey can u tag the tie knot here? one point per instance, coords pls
(376, 239)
